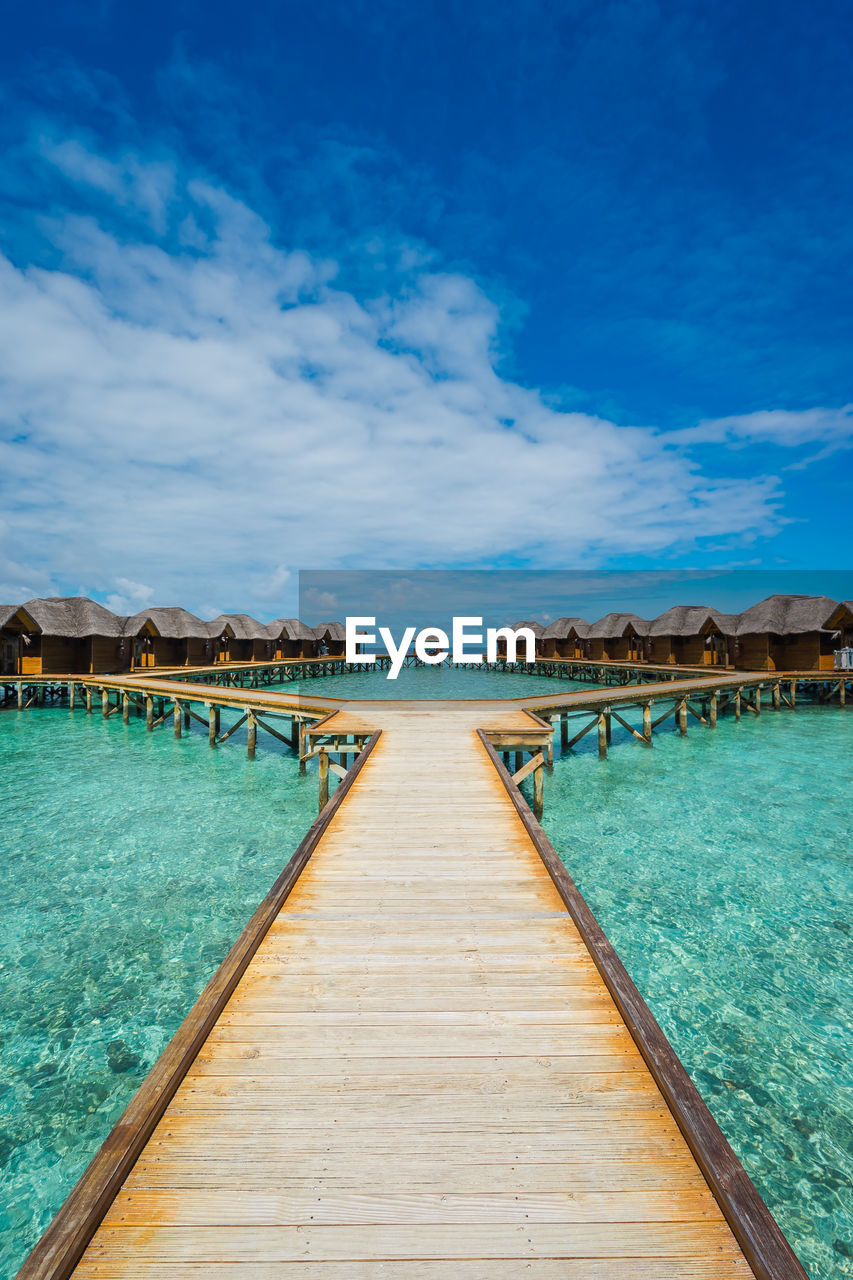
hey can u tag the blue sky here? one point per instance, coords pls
(382, 285)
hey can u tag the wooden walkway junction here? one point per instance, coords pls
(421, 1060)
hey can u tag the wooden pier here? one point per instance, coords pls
(422, 1059)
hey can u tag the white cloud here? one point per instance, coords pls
(131, 597)
(200, 418)
(774, 426)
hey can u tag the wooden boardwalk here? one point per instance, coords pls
(421, 1074)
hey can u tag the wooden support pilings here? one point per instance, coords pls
(538, 792)
(681, 716)
(608, 725)
(519, 757)
(738, 693)
(712, 709)
(105, 703)
(252, 733)
(125, 708)
(72, 694)
(757, 700)
(323, 773)
(149, 712)
(88, 699)
(564, 732)
(602, 736)
(777, 696)
(211, 724)
(186, 717)
(20, 695)
(647, 722)
(302, 746)
(233, 729)
(842, 693)
(793, 693)
(176, 716)
(629, 727)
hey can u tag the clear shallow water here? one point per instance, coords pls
(129, 862)
(721, 868)
(433, 682)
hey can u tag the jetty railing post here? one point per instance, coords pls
(149, 712)
(211, 725)
(323, 772)
(125, 708)
(538, 792)
(602, 736)
(682, 717)
(647, 721)
(105, 703)
(712, 709)
(176, 717)
(252, 731)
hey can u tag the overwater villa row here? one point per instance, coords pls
(76, 635)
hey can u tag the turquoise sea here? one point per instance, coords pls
(129, 863)
(721, 868)
(433, 682)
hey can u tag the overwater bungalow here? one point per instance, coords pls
(538, 630)
(291, 640)
(692, 635)
(787, 633)
(171, 637)
(241, 638)
(618, 637)
(331, 639)
(16, 630)
(72, 634)
(564, 638)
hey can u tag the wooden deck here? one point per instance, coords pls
(421, 1073)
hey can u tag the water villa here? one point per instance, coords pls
(77, 636)
(690, 635)
(617, 637)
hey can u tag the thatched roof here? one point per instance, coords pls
(10, 611)
(614, 625)
(563, 627)
(786, 615)
(536, 627)
(243, 626)
(334, 630)
(73, 617)
(691, 620)
(171, 623)
(841, 616)
(290, 628)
